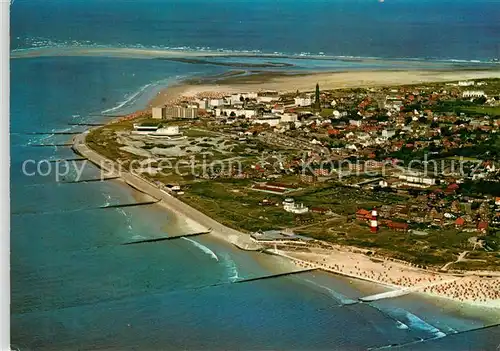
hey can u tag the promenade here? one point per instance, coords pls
(237, 238)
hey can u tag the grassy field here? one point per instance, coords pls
(233, 203)
(486, 110)
(103, 141)
(435, 249)
(343, 200)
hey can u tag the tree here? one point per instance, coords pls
(317, 103)
(480, 100)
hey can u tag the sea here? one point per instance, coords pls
(76, 287)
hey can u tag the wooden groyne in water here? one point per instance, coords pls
(276, 275)
(87, 124)
(237, 238)
(68, 159)
(165, 238)
(53, 133)
(133, 204)
(50, 145)
(89, 180)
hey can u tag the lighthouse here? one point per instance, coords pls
(373, 221)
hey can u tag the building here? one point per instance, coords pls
(473, 93)
(289, 205)
(289, 117)
(363, 215)
(202, 103)
(168, 131)
(482, 227)
(179, 111)
(388, 133)
(302, 101)
(308, 177)
(415, 178)
(159, 112)
(272, 120)
(466, 83)
(398, 226)
(267, 97)
(320, 210)
(216, 102)
(250, 96)
(227, 112)
(144, 129)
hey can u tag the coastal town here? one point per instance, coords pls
(408, 174)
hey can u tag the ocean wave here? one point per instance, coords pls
(401, 325)
(344, 300)
(203, 248)
(418, 323)
(128, 222)
(231, 268)
(34, 43)
(128, 100)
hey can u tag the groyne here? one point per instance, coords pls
(165, 238)
(275, 275)
(241, 240)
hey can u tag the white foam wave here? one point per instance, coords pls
(203, 248)
(401, 325)
(108, 199)
(418, 323)
(344, 300)
(231, 268)
(37, 43)
(128, 221)
(127, 100)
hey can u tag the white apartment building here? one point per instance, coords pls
(189, 111)
(158, 112)
(267, 97)
(289, 117)
(202, 103)
(216, 102)
(250, 96)
(473, 93)
(388, 133)
(417, 179)
(234, 99)
(272, 120)
(223, 112)
(289, 205)
(466, 83)
(303, 101)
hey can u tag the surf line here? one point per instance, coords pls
(128, 100)
(202, 248)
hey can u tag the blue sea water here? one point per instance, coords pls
(75, 287)
(442, 29)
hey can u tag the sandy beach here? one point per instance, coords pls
(332, 80)
(472, 290)
(469, 289)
